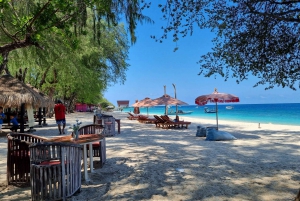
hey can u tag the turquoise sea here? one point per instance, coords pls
(283, 113)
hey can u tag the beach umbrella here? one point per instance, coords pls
(146, 102)
(216, 97)
(167, 100)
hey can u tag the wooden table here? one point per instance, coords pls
(82, 140)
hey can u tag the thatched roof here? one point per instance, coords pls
(14, 92)
(47, 101)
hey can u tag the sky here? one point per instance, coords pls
(154, 65)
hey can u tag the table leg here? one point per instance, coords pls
(91, 157)
(86, 176)
(119, 122)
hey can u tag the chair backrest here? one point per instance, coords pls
(91, 129)
(18, 157)
(160, 120)
(166, 119)
(49, 151)
(54, 163)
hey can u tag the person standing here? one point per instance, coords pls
(2, 116)
(60, 116)
(136, 110)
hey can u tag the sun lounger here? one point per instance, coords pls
(176, 124)
(147, 120)
(163, 123)
(159, 121)
(132, 116)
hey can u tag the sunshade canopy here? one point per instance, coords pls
(47, 101)
(168, 100)
(146, 102)
(216, 97)
(14, 92)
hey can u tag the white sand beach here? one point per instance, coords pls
(149, 163)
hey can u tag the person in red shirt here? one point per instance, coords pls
(60, 116)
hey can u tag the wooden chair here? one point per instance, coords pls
(99, 148)
(147, 120)
(132, 116)
(159, 121)
(55, 170)
(176, 124)
(18, 157)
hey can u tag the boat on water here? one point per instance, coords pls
(229, 107)
(180, 112)
(207, 110)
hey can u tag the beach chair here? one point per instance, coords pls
(147, 120)
(163, 123)
(132, 116)
(159, 121)
(176, 124)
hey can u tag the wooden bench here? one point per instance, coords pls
(18, 157)
(99, 148)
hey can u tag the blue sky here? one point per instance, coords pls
(154, 65)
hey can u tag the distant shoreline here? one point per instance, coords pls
(277, 114)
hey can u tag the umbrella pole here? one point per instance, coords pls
(147, 111)
(177, 118)
(217, 115)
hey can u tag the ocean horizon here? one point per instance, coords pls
(271, 113)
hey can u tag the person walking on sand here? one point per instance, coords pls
(60, 116)
(2, 116)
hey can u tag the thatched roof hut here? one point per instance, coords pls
(47, 101)
(14, 92)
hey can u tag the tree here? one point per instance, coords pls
(258, 37)
(79, 75)
(27, 23)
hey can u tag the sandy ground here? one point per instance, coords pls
(149, 163)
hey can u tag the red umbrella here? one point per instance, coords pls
(216, 97)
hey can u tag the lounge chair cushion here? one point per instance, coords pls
(215, 135)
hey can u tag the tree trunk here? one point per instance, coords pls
(3, 65)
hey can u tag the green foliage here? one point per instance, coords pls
(104, 104)
(26, 22)
(252, 37)
(80, 74)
